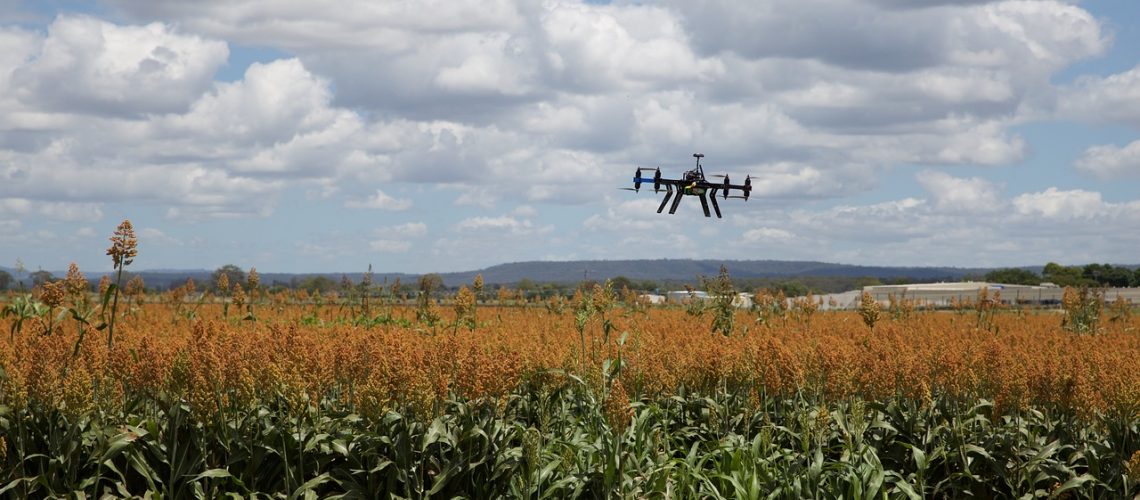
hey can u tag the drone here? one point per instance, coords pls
(692, 183)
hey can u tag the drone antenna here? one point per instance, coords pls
(698, 156)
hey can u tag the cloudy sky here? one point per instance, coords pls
(445, 135)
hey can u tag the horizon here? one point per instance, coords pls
(129, 269)
(966, 134)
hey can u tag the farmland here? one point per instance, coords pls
(591, 396)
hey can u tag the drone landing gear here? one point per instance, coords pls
(676, 202)
(705, 205)
(716, 208)
(668, 194)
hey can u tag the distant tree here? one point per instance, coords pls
(1107, 275)
(5, 280)
(648, 285)
(791, 288)
(526, 286)
(317, 283)
(40, 277)
(867, 281)
(429, 283)
(1119, 277)
(1013, 276)
(233, 273)
(621, 282)
(586, 285)
(1064, 275)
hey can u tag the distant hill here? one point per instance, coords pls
(664, 271)
(686, 270)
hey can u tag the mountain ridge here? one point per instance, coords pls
(662, 270)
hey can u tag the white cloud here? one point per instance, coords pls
(1109, 99)
(381, 200)
(478, 196)
(87, 65)
(406, 230)
(493, 224)
(151, 235)
(955, 194)
(519, 104)
(767, 234)
(54, 211)
(1054, 203)
(390, 246)
(1111, 162)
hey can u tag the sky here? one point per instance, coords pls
(451, 135)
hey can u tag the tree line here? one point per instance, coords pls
(1089, 275)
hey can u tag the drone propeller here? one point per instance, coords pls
(628, 189)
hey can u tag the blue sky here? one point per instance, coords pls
(455, 135)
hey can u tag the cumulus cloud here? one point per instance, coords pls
(519, 106)
(382, 201)
(1103, 99)
(767, 234)
(1110, 162)
(410, 229)
(151, 235)
(87, 65)
(53, 211)
(390, 246)
(501, 224)
(955, 194)
(1055, 203)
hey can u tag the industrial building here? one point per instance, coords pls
(944, 294)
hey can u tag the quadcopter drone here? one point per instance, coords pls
(692, 183)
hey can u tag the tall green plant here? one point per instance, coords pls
(722, 294)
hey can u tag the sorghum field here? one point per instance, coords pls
(366, 394)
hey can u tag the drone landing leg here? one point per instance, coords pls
(705, 205)
(716, 208)
(668, 194)
(676, 202)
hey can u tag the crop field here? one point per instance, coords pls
(249, 393)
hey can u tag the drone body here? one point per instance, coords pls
(691, 183)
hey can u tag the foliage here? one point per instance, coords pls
(1013, 276)
(426, 312)
(40, 277)
(22, 308)
(232, 275)
(722, 295)
(869, 310)
(598, 403)
(1082, 309)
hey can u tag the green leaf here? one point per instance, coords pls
(339, 446)
(117, 444)
(310, 486)
(1073, 484)
(212, 474)
(906, 489)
